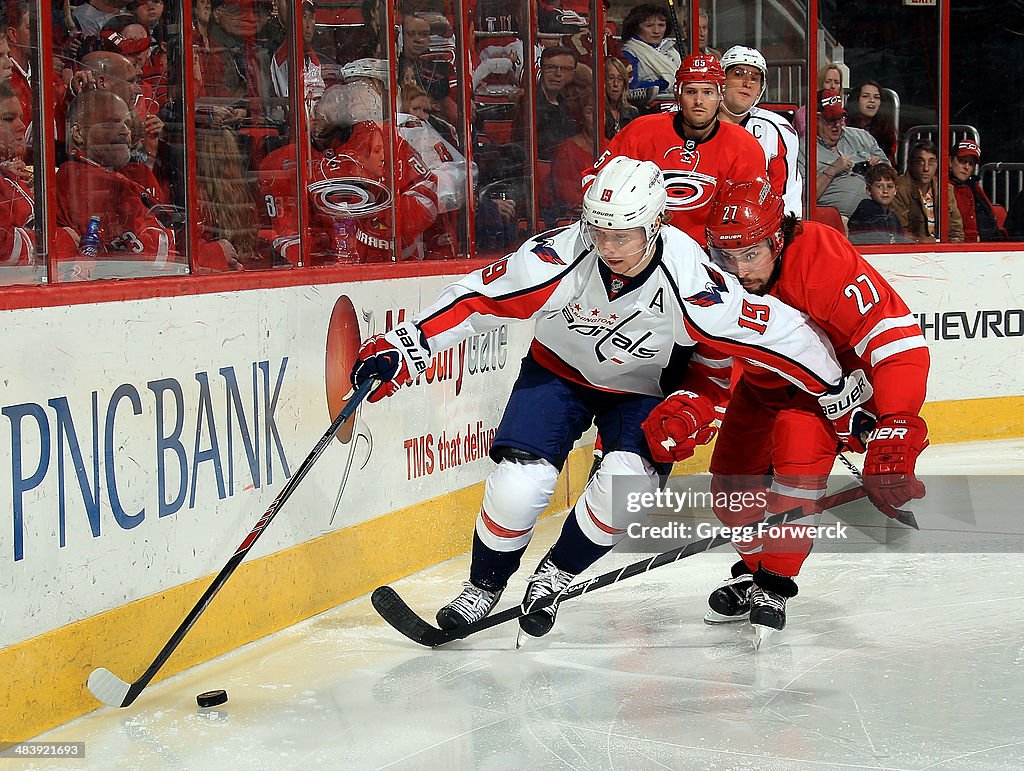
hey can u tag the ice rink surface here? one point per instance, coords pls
(895, 661)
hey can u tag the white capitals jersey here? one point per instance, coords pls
(632, 335)
(781, 147)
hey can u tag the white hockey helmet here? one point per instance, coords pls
(626, 194)
(751, 57)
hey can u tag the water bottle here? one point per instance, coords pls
(89, 245)
(342, 234)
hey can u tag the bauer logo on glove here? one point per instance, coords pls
(394, 358)
(851, 420)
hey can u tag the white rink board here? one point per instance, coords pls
(182, 352)
(971, 309)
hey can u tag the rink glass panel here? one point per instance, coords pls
(221, 123)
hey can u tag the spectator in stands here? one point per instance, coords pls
(17, 207)
(869, 111)
(148, 12)
(569, 160)
(875, 221)
(236, 69)
(202, 14)
(349, 184)
(552, 119)
(413, 100)
(1015, 219)
(313, 75)
(229, 217)
(415, 66)
(830, 78)
(975, 208)
(90, 184)
(91, 16)
(704, 35)
(844, 156)
(19, 38)
(617, 111)
(6, 63)
(649, 49)
(917, 193)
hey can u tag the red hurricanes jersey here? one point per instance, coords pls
(694, 171)
(127, 227)
(17, 209)
(869, 325)
(359, 165)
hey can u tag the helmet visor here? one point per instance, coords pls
(744, 260)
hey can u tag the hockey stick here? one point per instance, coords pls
(900, 515)
(111, 689)
(393, 609)
(679, 30)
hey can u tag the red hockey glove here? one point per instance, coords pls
(892, 454)
(850, 420)
(394, 358)
(677, 425)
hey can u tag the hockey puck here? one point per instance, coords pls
(211, 698)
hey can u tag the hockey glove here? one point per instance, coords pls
(851, 421)
(892, 454)
(395, 358)
(677, 425)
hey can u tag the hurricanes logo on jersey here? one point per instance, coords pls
(713, 290)
(689, 189)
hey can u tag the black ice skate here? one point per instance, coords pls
(768, 604)
(547, 580)
(471, 605)
(730, 602)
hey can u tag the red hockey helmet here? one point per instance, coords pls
(700, 68)
(744, 214)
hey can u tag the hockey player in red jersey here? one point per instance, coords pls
(620, 301)
(350, 204)
(746, 78)
(696, 151)
(772, 431)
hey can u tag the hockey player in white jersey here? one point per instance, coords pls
(621, 302)
(746, 76)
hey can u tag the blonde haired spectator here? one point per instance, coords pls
(830, 78)
(617, 111)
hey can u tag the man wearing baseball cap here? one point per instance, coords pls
(975, 207)
(843, 156)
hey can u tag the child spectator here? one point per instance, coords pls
(975, 207)
(874, 221)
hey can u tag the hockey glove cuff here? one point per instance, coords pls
(850, 419)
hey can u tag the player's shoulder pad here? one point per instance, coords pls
(552, 251)
(820, 256)
(692, 272)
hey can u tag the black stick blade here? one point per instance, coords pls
(394, 610)
(907, 518)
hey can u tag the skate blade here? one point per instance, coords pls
(761, 635)
(521, 639)
(714, 618)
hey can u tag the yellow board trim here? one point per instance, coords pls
(44, 677)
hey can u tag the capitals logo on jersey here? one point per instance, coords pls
(713, 290)
(686, 187)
